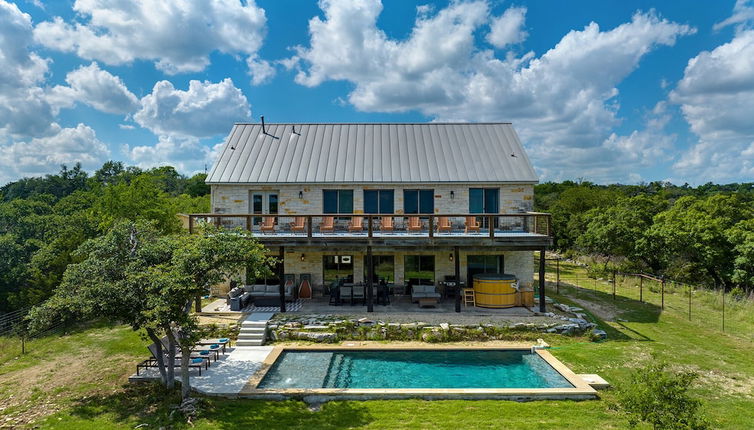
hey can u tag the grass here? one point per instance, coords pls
(93, 394)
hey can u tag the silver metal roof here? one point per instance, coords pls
(372, 152)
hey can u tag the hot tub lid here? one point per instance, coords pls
(495, 277)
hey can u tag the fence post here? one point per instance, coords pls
(662, 293)
(689, 302)
(613, 284)
(23, 344)
(723, 309)
(641, 289)
(557, 272)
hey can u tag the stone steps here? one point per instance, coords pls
(253, 332)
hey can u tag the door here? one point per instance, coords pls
(484, 201)
(263, 203)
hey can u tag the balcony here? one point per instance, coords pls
(519, 230)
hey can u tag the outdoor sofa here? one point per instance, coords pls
(423, 292)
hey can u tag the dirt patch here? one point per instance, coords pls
(603, 311)
(29, 394)
(732, 384)
(223, 320)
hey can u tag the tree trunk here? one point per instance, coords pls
(171, 359)
(160, 362)
(185, 382)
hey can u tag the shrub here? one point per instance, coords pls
(660, 397)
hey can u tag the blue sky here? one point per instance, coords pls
(603, 91)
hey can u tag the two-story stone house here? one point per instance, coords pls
(424, 201)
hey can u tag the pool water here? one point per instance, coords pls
(412, 369)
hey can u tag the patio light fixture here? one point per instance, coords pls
(301, 194)
(452, 195)
(450, 257)
(302, 257)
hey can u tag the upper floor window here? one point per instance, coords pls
(418, 201)
(337, 201)
(379, 202)
(484, 200)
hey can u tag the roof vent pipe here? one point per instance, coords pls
(263, 130)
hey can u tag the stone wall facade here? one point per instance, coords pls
(234, 199)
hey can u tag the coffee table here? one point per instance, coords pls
(429, 302)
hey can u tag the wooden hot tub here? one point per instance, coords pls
(495, 291)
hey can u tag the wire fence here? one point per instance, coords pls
(13, 327)
(710, 306)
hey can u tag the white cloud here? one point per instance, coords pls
(716, 96)
(563, 103)
(205, 109)
(177, 35)
(24, 110)
(97, 88)
(38, 156)
(186, 154)
(743, 15)
(261, 71)
(508, 28)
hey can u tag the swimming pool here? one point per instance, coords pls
(412, 369)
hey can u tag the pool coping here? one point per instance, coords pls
(581, 389)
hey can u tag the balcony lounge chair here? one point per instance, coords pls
(443, 224)
(268, 224)
(471, 224)
(328, 224)
(298, 225)
(356, 224)
(414, 223)
(386, 223)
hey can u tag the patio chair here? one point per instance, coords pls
(443, 224)
(268, 224)
(345, 294)
(356, 224)
(359, 294)
(298, 225)
(386, 223)
(327, 225)
(414, 223)
(471, 224)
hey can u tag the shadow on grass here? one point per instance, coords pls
(625, 309)
(152, 404)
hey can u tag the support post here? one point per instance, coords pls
(370, 276)
(491, 223)
(542, 280)
(248, 223)
(370, 228)
(431, 224)
(457, 262)
(689, 302)
(613, 284)
(309, 226)
(723, 309)
(191, 224)
(281, 273)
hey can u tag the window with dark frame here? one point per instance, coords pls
(379, 202)
(419, 269)
(484, 200)
(337, 201)
(418, 201)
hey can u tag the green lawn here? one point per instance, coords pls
(93, 395)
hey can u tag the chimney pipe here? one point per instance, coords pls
(263, 130)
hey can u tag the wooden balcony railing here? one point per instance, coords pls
(382, 225)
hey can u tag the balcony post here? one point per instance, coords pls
(457, 261)
(248, 223)
(491, 224)
(431, 226)
(309, 226)
(542, 280)
(370, 228)
(281, 273)
(370, 275)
